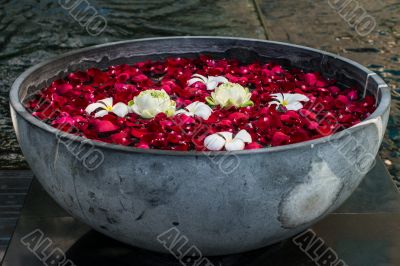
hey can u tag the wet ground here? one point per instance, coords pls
(317, 24)
(31, 31)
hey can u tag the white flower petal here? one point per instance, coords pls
(144, 102)
(101, 113)
(135, 109)
(204, 111)
(226, 135)
(219, 79)
(235, 145)
(194, 80)
(149, 103)
(183, 111)
(214, 142)
(296, 97)
(197, 109)
(294, 106)
(230, 94)
(244, 136)
(147, 114)
(192, 107)
(278, 96)
(274, 102)
(211, 85)
(290, 100)
(203, 78)
(93, 106)
(211, 82)
(120, 109)
(107, 101)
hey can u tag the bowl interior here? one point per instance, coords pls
(346, 72)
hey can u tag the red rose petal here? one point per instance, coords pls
(104, 126)
(121, 138)
(310, 79)
(253, 146)
(331, 108)
(279, 138)
(63, 88)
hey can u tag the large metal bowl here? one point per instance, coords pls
(223, 203)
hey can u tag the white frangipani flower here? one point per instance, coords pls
(289, 101)
(217, 141)
(210, 82)
(106, 106)
(149, 103)
(230, 94)
(196, 109)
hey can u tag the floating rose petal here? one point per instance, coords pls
(310, 79)
(353, 95)
(279, 138)
(253, 146)
(104, 126)
(121, 138)
(329, 108)
(63, 88)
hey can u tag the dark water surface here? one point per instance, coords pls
(31, 31)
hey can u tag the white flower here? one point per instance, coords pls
(230, 94)
(217, 141)
(197, 109)
(210, 82)
(106, 106)
(289, 101)
(149, 103)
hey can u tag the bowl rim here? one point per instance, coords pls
(17, 105)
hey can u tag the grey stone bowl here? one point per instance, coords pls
(222, 202)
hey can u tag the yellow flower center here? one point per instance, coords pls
(285, 102)
(108, 108)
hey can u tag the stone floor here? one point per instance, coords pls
(14, 185)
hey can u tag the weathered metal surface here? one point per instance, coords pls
(135, 195)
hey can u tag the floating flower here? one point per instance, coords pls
(210, 82)
(149, 103)
(230, 94)
(106, 106)
(289, 101)
(196, 109)
(267, 125)
(217, 141)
